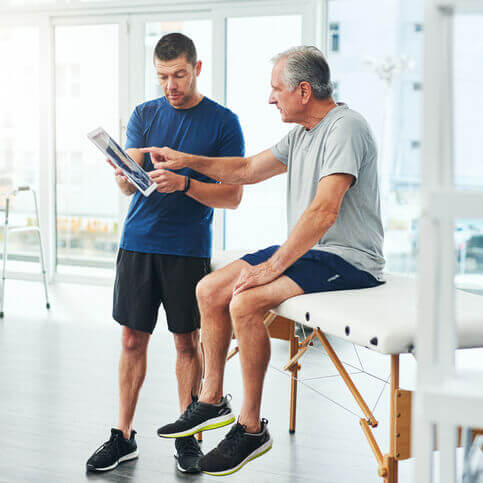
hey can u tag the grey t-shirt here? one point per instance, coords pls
(341, 142)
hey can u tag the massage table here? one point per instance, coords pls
(382, 319)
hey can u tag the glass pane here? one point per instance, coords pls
(197, 30)
(377, 70)
(88, 200)
(468, 151)
(260, 220)
(19, 133)
(468, 101)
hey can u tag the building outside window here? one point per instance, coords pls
(334, 36)
(392, 36)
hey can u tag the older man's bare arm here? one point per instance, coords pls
(232, 170)
(319, 216)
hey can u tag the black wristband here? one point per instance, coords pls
(186, 184)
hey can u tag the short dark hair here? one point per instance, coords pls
(171, 46)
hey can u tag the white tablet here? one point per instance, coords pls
(121, 159)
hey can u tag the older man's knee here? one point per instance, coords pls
(245, 309)
(210, 292)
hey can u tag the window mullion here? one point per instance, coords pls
(47, 188)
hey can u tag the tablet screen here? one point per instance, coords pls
(120, 158)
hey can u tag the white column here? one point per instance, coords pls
(47, 188)
(219, 95)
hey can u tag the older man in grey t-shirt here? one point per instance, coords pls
(334, 243)
(341, 142)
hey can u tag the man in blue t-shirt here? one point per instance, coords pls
(165, 247)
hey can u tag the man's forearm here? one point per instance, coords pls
(310, 228)
(215, 195)
(231, 170)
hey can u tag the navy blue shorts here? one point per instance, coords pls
(319, 271)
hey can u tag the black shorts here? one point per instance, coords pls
(145, 280)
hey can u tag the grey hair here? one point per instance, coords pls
(306, 63)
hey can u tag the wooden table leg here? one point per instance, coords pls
(394, 387)
(390, 461)
(391, 465)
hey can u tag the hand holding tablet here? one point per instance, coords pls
(120, 159)
(117, 171)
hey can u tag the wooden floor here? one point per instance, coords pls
(58, 400)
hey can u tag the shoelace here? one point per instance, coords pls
(110, 446)
(193, 409)
(231, 444)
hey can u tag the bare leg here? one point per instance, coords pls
(247, 311)
(188, 366)
(132, 371)
(214, 294)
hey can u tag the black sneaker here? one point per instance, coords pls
(188, 455)
(113, 452)
(199, 416)
(236, 450)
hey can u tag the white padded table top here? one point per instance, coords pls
(381, 318)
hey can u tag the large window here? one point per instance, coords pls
(261, 218)
(87, 96)
(19, 133)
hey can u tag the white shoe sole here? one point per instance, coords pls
(254, 454)
(213, 423)
(182, 470)
(127, 457)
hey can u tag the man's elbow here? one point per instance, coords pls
(329, 218)
(247, 175)
(235, 199)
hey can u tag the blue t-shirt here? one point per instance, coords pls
(175, 223)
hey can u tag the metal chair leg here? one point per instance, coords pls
(41, 247)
